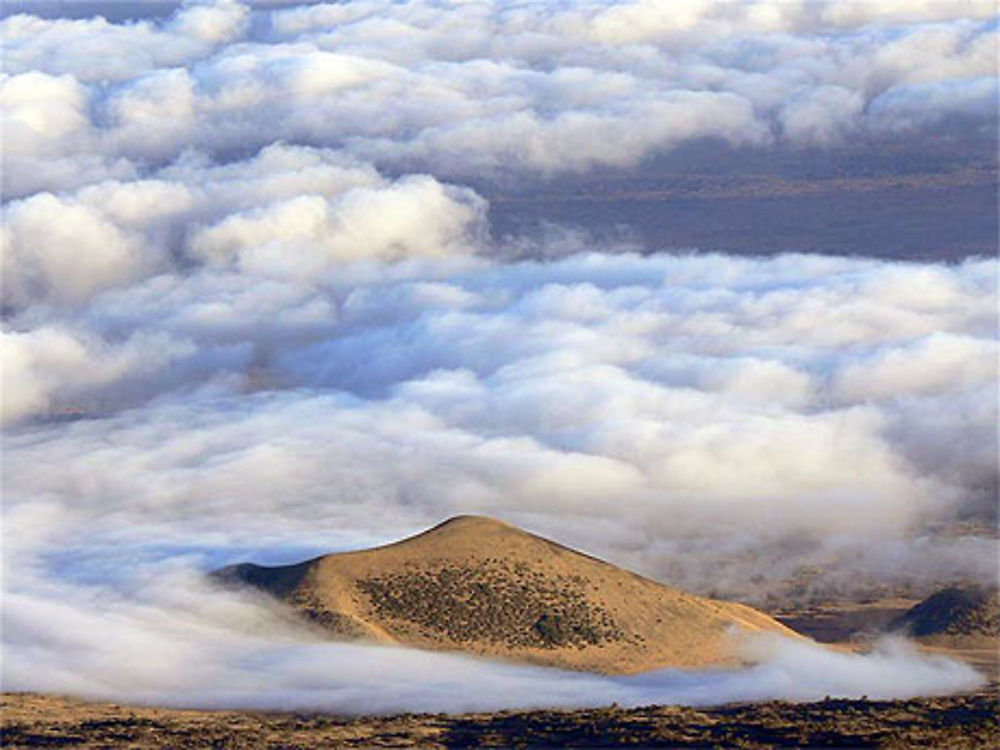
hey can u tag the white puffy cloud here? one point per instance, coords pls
(415, 217)
(154, 113)
(43, 114)
(56, 371)
(289, 211)
(822, 115)
(213, 21)
(56, 249)
(492, 89)
(857, 14)
(909, 108)
(933, 364)
(702, 391)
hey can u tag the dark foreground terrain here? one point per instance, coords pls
(963, 721)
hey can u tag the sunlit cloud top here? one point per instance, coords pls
(486, 87)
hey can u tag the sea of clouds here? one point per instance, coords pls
(253, 310)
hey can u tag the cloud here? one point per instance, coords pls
(908, 108)
(823, 115)
(47, 369)
(415, 217)
(545, 89)
(709, 395)
(59, 250)
(213, 21)
(42, 111)
(932, 364)
(288, 211)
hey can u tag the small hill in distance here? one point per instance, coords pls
(964, 615)
(479, 585)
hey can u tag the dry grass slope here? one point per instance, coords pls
(479, 585)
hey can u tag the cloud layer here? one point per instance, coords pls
(713, 397)
(485, 88)
(252, 309)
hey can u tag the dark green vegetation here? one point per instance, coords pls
(967, 721)
(956, 611)
(495, 602)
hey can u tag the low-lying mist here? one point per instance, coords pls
(173, 640)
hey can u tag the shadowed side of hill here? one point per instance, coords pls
(479, 585)
(279, 581)
(960, 615)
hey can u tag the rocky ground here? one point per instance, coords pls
(963, 721)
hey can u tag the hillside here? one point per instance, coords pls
(961, 615)
(479, 585)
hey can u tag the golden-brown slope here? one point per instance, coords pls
(479, 585)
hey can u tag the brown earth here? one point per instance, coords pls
(479, 585)
(958, 722)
